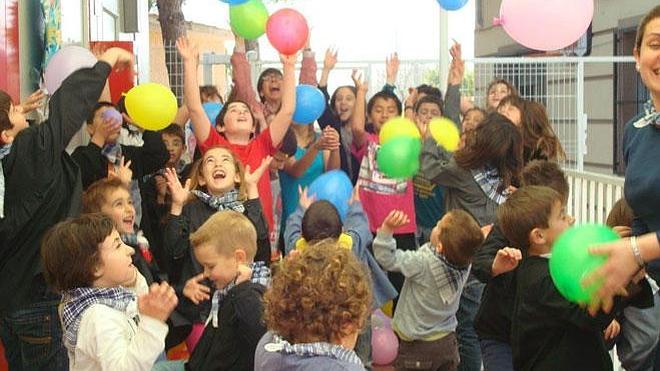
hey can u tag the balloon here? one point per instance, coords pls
(65, 62)
(287, 31)
(234, 2)
(379, 319)
(248, 19)
(384, 345)
(212, 110)
(543, 24)
(112, 114)
(399, 158)
(335, 187)
(452, 4)
(310, 104)
(398, 127)
(445, 132)
(571, 261)
(152, 106)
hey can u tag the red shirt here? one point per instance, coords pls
(250, 154)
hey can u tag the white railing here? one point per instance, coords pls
(592, 195)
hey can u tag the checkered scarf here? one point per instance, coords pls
(451, 279)
(489, 181)
(75, 302)
(651, 116)
(228, 201)
(4, 151)
(260, 275)
(308, 350)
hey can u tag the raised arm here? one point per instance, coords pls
(455, 79)
(329, 63)
(359, 112)
(242, 76)
(200, 123)
(308, 67)
(282, 120)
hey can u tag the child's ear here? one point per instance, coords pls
(537, 237)
(241, 256)
(5, 137)
(90, 129)
(237, 179)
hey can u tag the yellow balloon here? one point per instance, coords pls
(398, 127)
(445, 132)
(152, 106)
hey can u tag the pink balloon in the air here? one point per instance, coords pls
(287, 31)
(65, 62)
(545, 24)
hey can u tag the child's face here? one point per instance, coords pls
(119, 207)
(344, 103)
(238, 120)
(471, 120)
(559, 221)
(98, 122)
(382, 110)
(272, 87)
(116, 267)
(221, 269)
(175, 147)
(219, 173)
(435, 232)
(496, 93)
(512, 113)
(425, 113)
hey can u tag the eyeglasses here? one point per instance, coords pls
(272, 78)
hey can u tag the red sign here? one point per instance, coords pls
(10, 78)
(120, 82)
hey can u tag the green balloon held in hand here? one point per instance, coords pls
(571, 261)
(248, 20)
(399, 157)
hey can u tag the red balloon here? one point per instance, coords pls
(287, 31)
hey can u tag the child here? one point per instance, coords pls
(236, 125)
(287, 149)
(425, 319)
(235, 324)
(548, 332)
(314, 311)
(41, 187)
(110, 317)
(497, 90)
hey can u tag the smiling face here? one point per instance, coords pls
(237, 121)
(222, 269)
(116, 266)
(219, 171)
(344, 103)
(382, 110)
(648, 59)
(119, 207)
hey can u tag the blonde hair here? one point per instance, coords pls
(227, 231)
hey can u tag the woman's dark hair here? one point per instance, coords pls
(496, 142)
(509, 85)
(210, 91)
(538, 136)
(651, 15)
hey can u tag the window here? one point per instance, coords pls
(72, 23)
(110, 19)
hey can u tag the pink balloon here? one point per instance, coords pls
(65, 62)
(545, 24)
(287, 31)
(384, 345)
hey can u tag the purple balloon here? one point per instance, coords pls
(112, 114)
(65, 62)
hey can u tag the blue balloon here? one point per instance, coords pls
(234, 2)
(212, 110)
(452, 4)
(335, 187)
(310, 104)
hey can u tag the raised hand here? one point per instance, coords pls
(195, 290)
(34, 101)
(457, 68)
(118, 58)
(179, 193)
(395, 219)
(392, 68)
(355, 197)
(359, 81)
(187, 50)
(506, 260)
(159, 302)
(305, 200)
(252, 177)
(124, 172)
(289, 60)
(330, 60)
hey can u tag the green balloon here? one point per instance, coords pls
(399, 157)
(571, 261)
(249, 19)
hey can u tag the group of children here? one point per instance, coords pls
(166, 249)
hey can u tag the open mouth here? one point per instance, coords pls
(128, 221)
(274, 90)
(219, 175)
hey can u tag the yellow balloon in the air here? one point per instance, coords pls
(445, 133)
(398, 127)
(152, 106)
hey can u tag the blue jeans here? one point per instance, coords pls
(32, 337)
(637, 343)
(468, 342)
(497, 355)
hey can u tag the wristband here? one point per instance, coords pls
(635, 250)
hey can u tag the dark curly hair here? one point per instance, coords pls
(315, 295)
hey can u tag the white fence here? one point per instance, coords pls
(592, 195)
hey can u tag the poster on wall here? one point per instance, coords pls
(52, 14)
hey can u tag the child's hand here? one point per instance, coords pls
(239, 44)
(195, 290)
(612, 330)
(412, 97)
(179, 194)
(392, 68)
(330, 60)
(457, 68)
(623, 231)
(161, 185)
(329, 139)
(124, 172)
(34, 101)
(358, 80)
(252, 178)
(304, 199)
(108, 127)
(506, 260)
(394, 220)
(187, 50)
(159, 302)
(118, 58)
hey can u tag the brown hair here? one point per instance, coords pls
(227, 231)
(175, 131)
(621, 214)
(321, 221)
(220, 120)
(433, 99)
(546, 173)
(527, 208)
(512, 89)
(651, 15)
(314, 295)
(5, 105)
(196, 172)
(495, 142)
(70, 251)
(96, 194)
(538, 134)
(460, 237)
(209, 91)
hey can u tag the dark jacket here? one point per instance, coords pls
(232, 344)
(42, 185)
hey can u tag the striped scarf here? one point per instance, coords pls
(451, 278)
(489, 181)
(309, 350)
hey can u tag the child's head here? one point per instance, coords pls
(548, 174)
(322, 295)
(621, 214)
(538, 133)
(425, 89)
(86, 252)
(218, 172)
(513, 107)
(457, 236)
(236, 120)
(269, 85)
(426, 109)
(321, 221)
(382, 107)
(12, 119)
(497, 143)
(224, 241)
(532, 218)
(95, 121)
(497, 90)
(175, 141)
(210, 93)
(343, 101)
(112, 198)
(472, 118)
(287, 149)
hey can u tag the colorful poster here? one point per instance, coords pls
(52, 28)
